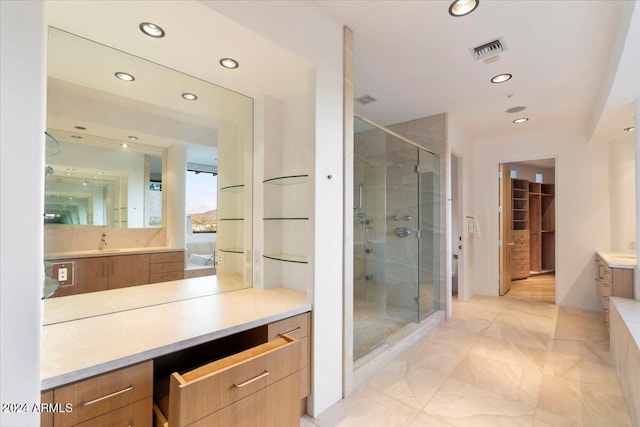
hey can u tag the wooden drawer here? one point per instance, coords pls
(276, 405)
(133, 415)
(520, 237)
(166, 277)
(46, 418)
(166, 267)
(167, 257)
(104, 393)
(604, 288)
(205, 390)
(605, 303)
(296, 327)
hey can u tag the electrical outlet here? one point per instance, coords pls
(633, 245)
(62, 274)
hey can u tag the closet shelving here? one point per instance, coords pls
(541, 227)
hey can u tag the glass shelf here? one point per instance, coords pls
(287, 180)
(231, 219)
(285, 219)
(232, 250)
(287, 258)
(233, 188)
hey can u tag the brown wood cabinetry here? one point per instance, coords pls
(533, 228)
(612, 282)
(298, 328)
(166, 266)
(120, 271)
(128, 270)
(89, 275)
(121, 397)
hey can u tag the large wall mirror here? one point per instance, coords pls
(110, 138)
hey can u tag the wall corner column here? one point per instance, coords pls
(175, 194)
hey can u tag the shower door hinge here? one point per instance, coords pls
(418, 300)
(416, 168)
(418, 234)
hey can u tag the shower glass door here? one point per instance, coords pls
(396, 235)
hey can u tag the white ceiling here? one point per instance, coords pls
(414, 58)
(410, 55)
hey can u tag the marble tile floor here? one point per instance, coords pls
(498, 362)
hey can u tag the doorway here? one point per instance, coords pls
(528, 230)
(456, 228)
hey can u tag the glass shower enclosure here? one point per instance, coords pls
(397, 235)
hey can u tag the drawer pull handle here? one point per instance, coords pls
(254, 379)
(299, 328)
(100, 399)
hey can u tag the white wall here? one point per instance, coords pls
(305, 30)
(22, 124)
(622, 175)
(582, 208)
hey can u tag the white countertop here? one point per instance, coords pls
(629, 310)
(82, 348)
(91, 304)
(618, 260)
(108, 252)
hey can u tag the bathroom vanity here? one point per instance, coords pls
(614, 278)
(99, 270)
(237, 351)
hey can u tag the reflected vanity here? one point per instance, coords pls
(114, 186)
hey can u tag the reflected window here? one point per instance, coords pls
(202, 201)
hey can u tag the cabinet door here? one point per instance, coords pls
(89, 275)
(128, 270)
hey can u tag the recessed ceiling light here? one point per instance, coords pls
(189, 96)
(501, 78)
(96, 176)
(229, 63)
(463, 7)
(76, 137)
(521, 120)
(80, 127)
(68, 173)
(84, 183)
(132, 137)
(516, 109)
(152, 30)
(124, 145)
(125, 76)
(629, 129)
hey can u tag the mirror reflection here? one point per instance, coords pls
(157, 164)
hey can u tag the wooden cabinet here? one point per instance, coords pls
(542, 227)
(298, 328)
(120, 271)
(520, 254)
(612, 282)
(128, 270)
(121, 397)
(258, 386)
(533, 226)
(87, 275)
(166, 266)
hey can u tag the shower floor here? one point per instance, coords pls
(373, 321)
(371, 326)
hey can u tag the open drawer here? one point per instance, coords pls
(238, 390)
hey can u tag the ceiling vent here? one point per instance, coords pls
(366, 99)
(488, 49)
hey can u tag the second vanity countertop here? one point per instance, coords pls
(79, 349)
(51, 256)
(618, 260)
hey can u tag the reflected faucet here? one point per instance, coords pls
(103, 241)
